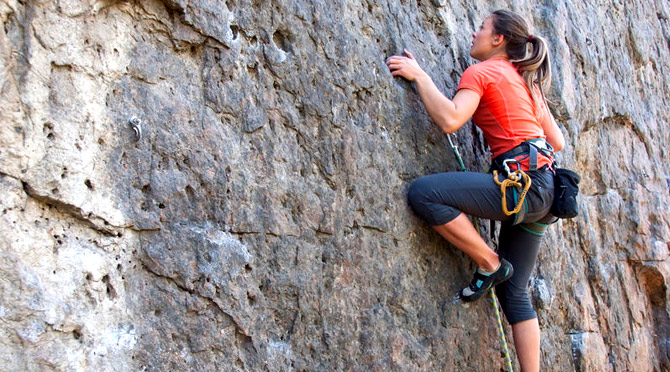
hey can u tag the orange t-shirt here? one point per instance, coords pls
(506, 113)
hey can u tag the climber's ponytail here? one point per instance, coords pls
(529, 53)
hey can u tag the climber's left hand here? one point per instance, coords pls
(405, 66)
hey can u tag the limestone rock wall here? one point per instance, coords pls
(260, 223)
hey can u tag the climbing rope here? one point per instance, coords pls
(501, 331)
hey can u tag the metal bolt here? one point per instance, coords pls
(136, 123)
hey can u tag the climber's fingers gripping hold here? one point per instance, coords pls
(406, 67)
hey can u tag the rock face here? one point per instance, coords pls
(260, 222)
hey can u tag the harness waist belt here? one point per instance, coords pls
(529, 148)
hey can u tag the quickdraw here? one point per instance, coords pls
(513, 180)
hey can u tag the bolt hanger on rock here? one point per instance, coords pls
(136, 124)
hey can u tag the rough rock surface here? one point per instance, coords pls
(260, 223)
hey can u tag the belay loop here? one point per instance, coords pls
(513, 180)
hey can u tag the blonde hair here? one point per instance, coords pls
(528, 52)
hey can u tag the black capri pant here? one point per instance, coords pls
(439, 198)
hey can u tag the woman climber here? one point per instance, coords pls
(504, 95)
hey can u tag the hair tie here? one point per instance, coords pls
(530, 38)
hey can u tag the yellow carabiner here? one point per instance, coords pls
(512, 180)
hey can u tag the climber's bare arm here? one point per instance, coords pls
(552, 131)
(448, 114)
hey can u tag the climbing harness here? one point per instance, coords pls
(513, 180)
(566, 182)
(508, 359)
(518, 179)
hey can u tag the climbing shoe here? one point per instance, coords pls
(482, 282)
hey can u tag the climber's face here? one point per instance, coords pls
(485, 42)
